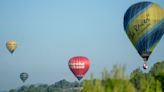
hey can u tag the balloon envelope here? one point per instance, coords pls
(144, 25)
(79, 65)
(24, 76)
(11, 46)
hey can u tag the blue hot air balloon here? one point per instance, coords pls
(144, 25)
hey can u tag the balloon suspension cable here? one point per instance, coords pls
(79, 88)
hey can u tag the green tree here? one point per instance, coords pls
(158, 72)
(115, 81)
(118, 81)
(92, 85)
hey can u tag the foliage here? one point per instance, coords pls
(113, 81)
(116, 81)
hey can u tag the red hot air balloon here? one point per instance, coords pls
(79, 65)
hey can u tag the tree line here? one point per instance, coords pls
(115, 80)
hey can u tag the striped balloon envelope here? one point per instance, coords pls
(144, 25)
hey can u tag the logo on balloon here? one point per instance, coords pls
(77, 65)
(143, 25)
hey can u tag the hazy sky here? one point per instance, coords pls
(48, 33)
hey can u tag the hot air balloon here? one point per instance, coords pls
(11, 46)
(144, 26)
(24, 76)
(79, 65)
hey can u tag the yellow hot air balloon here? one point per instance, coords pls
(11, 46)
(144, 25)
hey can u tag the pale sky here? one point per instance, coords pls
(48, 33)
